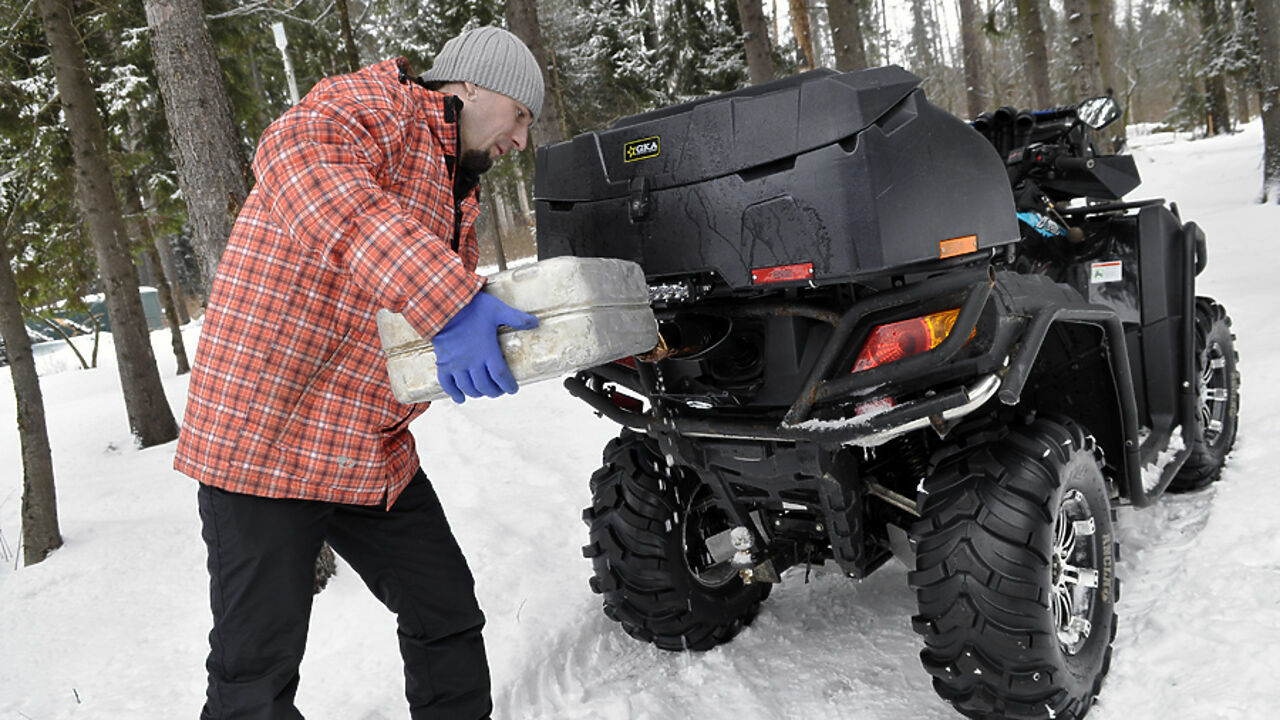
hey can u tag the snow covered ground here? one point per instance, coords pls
(113, 625)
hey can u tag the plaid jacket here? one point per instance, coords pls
(353, 211)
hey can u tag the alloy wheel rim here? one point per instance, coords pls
(1075, 573)
(1213, 392)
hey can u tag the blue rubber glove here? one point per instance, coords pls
(468, 359)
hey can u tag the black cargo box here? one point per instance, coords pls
(832, 176)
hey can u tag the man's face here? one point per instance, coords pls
(491, 124)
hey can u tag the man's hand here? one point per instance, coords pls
(468, 359)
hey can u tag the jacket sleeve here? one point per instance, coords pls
(321, 171)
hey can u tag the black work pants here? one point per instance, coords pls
(262, 554)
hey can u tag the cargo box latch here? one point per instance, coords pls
(638, 202)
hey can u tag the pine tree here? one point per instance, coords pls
(1087, 77)
(974, 71)
(1268, 29)
(29, 138)
(1035, 51)
(700, 52)
(212, 170)
(150, 418)
(756, 40)
(522, 16)
(846, 34)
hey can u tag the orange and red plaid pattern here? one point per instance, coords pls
(353, 211)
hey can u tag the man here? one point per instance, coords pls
(366, 198)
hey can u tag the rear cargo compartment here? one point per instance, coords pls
(820, 178)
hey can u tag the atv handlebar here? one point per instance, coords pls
(1058, 113)
(1072, 163)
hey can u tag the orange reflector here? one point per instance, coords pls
(781, 273)
(895, 341)
(957, 246)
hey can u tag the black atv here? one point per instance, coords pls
(887, 331)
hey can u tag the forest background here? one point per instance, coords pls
(126, 126)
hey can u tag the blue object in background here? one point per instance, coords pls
(1042, 224)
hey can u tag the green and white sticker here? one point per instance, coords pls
(1106, 272)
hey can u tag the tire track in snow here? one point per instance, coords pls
(832, 648)
(1153, 545)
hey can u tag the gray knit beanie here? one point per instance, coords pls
(492, 58)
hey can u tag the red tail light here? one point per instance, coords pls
(781, 273)
(625, 402)
(895, 341)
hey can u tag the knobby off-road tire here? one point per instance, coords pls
(1218, 393)
(1015, 576)
(648, 522)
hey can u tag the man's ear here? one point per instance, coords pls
(470, 88)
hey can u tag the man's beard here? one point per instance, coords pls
(476, 161)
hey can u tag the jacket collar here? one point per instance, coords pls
(439, 110)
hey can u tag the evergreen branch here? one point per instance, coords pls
(13, 35)
(264, 7)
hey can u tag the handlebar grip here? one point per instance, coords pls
(1073, 163)
(1065, 111)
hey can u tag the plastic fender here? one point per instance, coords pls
(1051, 304)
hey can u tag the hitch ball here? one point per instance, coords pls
(743, 542)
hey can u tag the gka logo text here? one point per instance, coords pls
(642, 149)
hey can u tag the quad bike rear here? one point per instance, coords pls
(886, 331)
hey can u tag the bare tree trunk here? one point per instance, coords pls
(800, 29)
(1212, 26)
(40, 533)
(1241, 94)
(259, 91)
(150, 418)
(755, 41)
(212, 171)
(1035, 51)
(846, 35)
(348, 39)
(773, 23)
(49, 323)
(144, 239)
(817, 33)
(974, 74)
(1085, 74)
(165, 251)
(650, 16)
(489, 225)
(1269, 96)
(522, 17)
(1102, 18)
(97, 338)
(522, 195)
